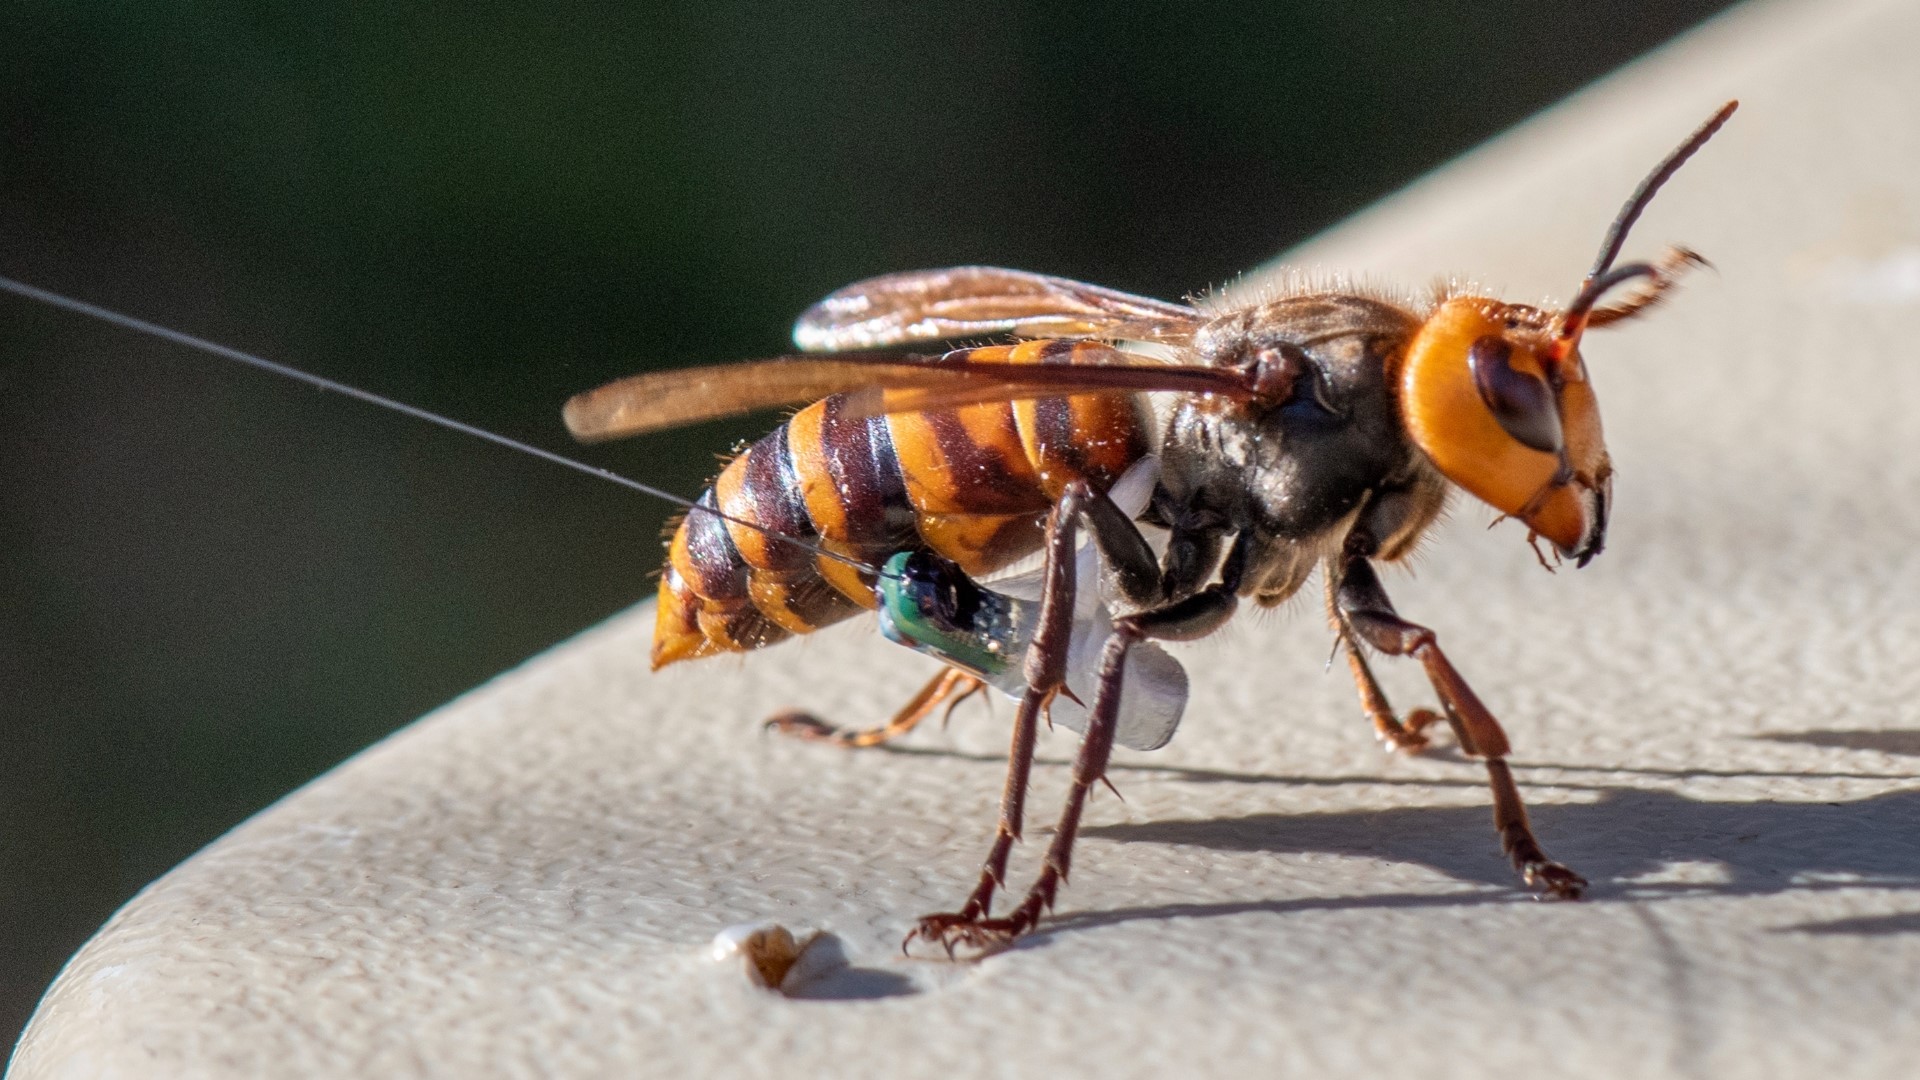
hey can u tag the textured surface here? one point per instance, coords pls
(1714, 722)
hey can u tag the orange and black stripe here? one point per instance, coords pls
(972, 483)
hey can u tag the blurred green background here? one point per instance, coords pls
(215, 585)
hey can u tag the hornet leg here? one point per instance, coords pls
(951, 687)
(1369, 616)
(1089, 767)
(1046, 664)
(1046, 675)
(1196, 616)
(1408, 737)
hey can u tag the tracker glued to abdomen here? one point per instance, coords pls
(972, 484)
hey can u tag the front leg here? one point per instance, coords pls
(1408, 736)
(1362, 606)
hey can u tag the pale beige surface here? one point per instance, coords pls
(1716, 722)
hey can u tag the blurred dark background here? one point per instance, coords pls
(214, 584)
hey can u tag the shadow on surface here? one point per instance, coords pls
(1620, 841)
(1906, 743)
(1193, 774)
(1905, 922)
(1533, 774)
(829, 975)
(1758, 848)
(855, 984)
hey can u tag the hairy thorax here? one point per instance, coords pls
(1297, 475)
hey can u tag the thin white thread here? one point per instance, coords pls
(128, 322)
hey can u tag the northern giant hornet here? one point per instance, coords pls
(1318, 429)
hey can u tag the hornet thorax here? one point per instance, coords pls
(1290, 474)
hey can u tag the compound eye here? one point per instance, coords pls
(1522, 403)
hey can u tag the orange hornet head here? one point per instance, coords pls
(1506, 414)
(1497, 394)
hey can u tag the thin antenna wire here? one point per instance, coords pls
(81, 307)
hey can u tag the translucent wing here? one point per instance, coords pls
(891, 383)
(980, 301)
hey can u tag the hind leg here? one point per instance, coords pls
(951, 687)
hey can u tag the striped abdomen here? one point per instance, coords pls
(973, 484)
